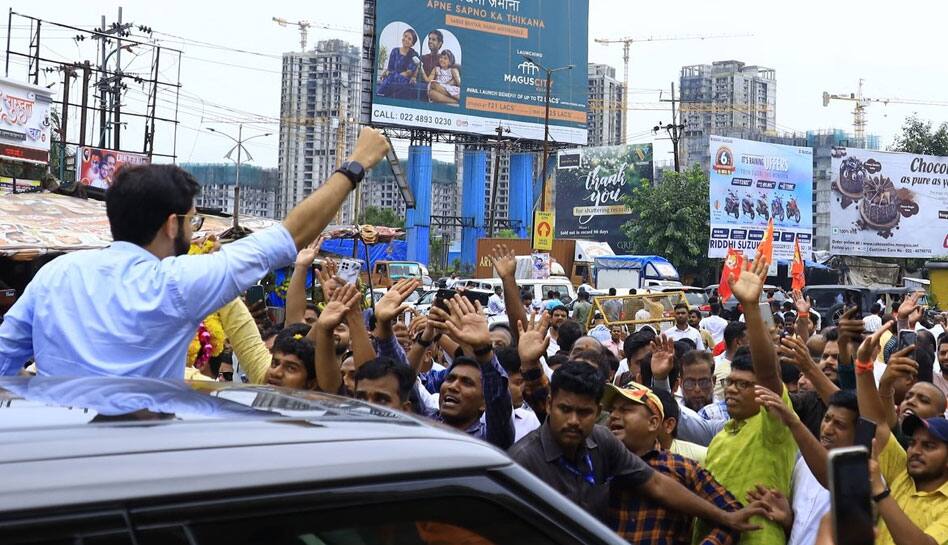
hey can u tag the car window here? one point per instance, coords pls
(427, 298)
(824, 298)
(696, 298)
(467, 521)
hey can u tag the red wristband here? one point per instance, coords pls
(863, 367)
(803, 315)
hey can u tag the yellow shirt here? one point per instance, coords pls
(245, 338)
(927, 510)
(759, 450)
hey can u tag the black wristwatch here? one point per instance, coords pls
(421, 342)
(352, 170)
(882, 495)
(483, 351)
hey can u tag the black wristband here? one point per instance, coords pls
(882, 495)
(483, 351)
(421, 342)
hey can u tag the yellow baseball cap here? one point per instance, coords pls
(636, 393)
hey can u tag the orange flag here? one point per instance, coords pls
(796, 269)
(732, 267)
(766, 247)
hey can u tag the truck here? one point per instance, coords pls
(626, 272)
(574, 256)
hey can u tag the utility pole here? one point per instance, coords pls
(239, 146)
(110, 95)
(674, 130)
(546, 123)
(500, 130)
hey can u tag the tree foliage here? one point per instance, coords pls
(919, 136)
(670, 219)
(506, 233)
(374, 215)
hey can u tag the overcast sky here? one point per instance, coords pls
(813, 46)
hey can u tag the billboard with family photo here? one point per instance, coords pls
(888, 204)
(97, 167)
(468, 66)
(750, 184)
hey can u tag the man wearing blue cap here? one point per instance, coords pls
(913, 499)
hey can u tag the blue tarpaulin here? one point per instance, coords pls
(396, 250)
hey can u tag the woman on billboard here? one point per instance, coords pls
(402, 66)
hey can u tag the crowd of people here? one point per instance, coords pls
(712, 431)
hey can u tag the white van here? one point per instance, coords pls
(539, 287)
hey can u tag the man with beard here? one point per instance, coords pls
(558, 314)
(829, 362)
(430, 60)
(697, 381)
(940, 379)
(682, 328)
(913, 498)
(132, 308)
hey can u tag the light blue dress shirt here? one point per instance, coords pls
(121, 311)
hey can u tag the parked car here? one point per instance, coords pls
(539, 287)
(832, 300)
(697, 297)
(116, 461)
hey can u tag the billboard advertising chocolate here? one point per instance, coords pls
(469, 66)
(750, 184)
(887, 204)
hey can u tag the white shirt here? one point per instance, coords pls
(495, 305)
(524, 421)
(553, 348)
(810, 501)
(715, 326)
(676, 334)
(722, 368)
(642, 314)
(872, 323)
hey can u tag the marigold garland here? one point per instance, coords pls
(208, 342)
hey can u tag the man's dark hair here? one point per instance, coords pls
(669, 407)
(742, 360)
(577, 377)
(569, 331)
(550, 294)
(646, 371)
(312, 306)
(732, 332)
(715, 308)
(789, 317)
(509, 359)
(142, 197)
(787, 305)
(876, 308)
(831, 334)
(942, 339)
(684, 345)
(381, 367)
(271, 332)
(287, 343)
(635, 342)
(789, 374)
(682, 305)
(697, 357)
(464, 360)
(612, 291)
(845, 399)
(583, 295)
(438, 34)
(609, 360)
(526, 295)
(598, 359)
(557, 359)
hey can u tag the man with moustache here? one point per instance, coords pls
(132, 308)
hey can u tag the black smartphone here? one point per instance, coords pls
(255, 294)
(851, 496)
(865, 431)
(907, 338)
(443, 295)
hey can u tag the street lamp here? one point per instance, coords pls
(546, 122)
(239, 146)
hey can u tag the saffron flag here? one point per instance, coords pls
(766, 247)
(796, 269)
(732, 267)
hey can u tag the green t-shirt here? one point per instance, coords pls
(759, 450)
(581, 310)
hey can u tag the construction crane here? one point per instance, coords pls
(859, 112)
(303, 26)
(626, 44)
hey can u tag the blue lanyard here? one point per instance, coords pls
(588, 476)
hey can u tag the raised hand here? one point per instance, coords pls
(342, 300)
(504, 261)
(392, 304)
(794, 351)
(371, 147)
(663, 357)
(849, 328)
(801, 303)
(750, 283)
(533, 337)
(868, 351)
(328, 279)
(909, 305)
(306, 256)
(899, 366)
(466, 323)
(774, 405)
